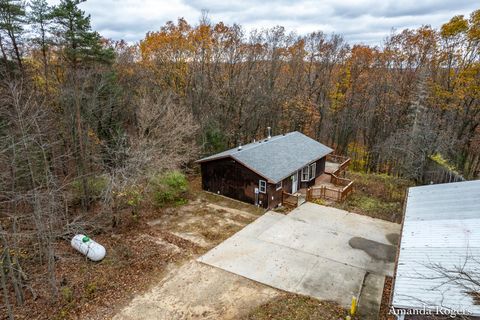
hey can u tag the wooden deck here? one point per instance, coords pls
(335, 164)
(329, 185)
(331, 167)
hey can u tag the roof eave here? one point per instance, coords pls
(207, 159)
(269, 180)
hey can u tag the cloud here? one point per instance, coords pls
(365, 21)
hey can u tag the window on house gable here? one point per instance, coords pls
(278, 185)
(262, 186)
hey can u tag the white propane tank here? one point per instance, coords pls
(93, 250)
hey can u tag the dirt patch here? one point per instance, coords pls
(296, 307)
(374, 249)
(235, 212)
(197, 291)
(192, 237)
(182, 243)
(231, 203)
(207, 220)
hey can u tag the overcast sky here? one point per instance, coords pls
(359, 21)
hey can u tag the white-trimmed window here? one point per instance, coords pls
(278, 186)
(313, 169)
(305, 174)
(262, 186)
(308, 172)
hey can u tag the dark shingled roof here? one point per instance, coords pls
(278, 157)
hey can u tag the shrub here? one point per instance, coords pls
(321, 202)
(439, 159)
(169, 188)
(90, 289)
(67, 294)
(131, 197)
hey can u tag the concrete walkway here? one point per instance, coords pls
(318, 251)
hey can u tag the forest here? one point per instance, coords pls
(89, 125)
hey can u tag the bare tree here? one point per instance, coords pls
(165, 139)
(30, 193)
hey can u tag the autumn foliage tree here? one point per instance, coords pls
(391, 108)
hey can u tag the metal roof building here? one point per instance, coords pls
(439, 257)
(277, 157)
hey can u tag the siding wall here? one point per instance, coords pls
(230, 178)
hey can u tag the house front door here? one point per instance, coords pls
(295, 183)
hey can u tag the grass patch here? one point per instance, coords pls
(439, 159)
(377, 195)
(297, 307)
(375, 207)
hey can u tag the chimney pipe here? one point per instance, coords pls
(269, 132)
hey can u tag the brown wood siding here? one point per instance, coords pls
(275, 196)
(287, 184)
(230, 178)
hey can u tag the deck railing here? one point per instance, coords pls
(338, 181)
(326, 192)
(341, 160)
(336, 158)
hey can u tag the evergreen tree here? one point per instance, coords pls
(79, 42)
(12, 19)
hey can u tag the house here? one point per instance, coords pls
(438, 265)
(261, 171)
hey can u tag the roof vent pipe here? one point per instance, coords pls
(239, 147)
(269, 132)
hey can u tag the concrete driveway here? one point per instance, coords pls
(318, 251)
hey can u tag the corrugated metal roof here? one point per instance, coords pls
(441, 229)
(277, 157)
